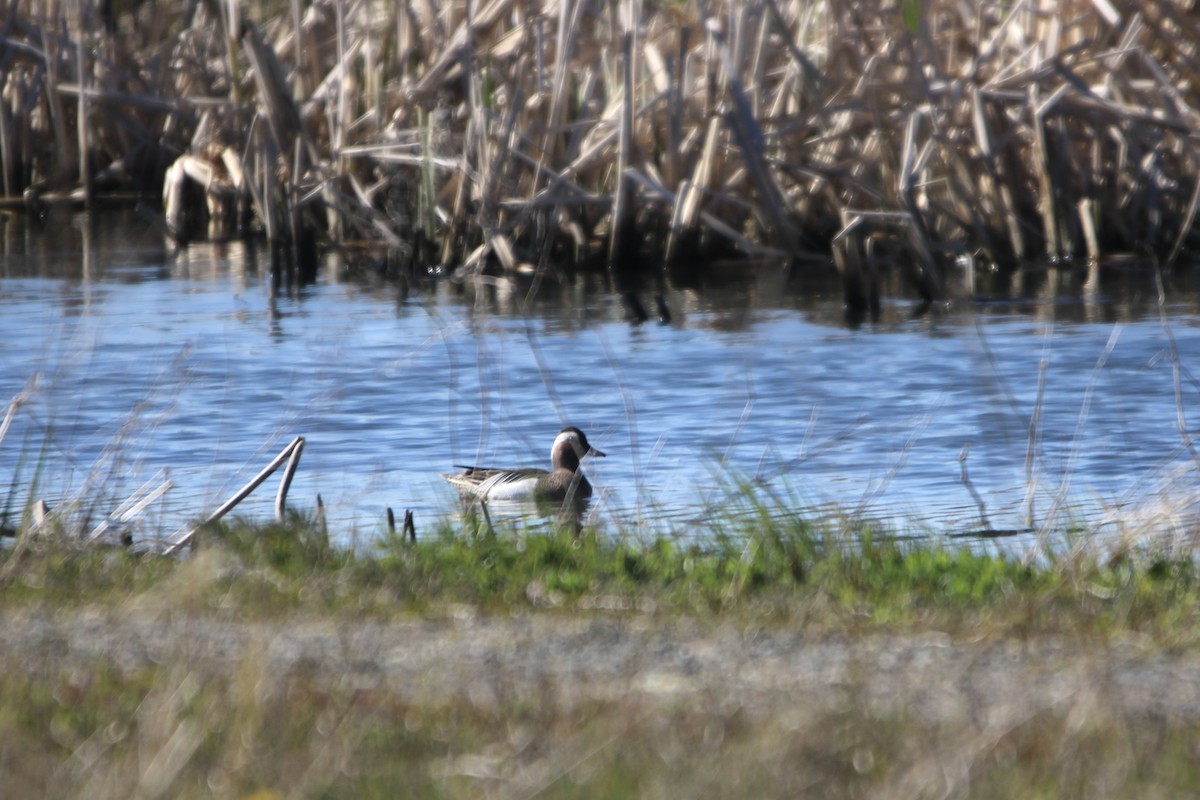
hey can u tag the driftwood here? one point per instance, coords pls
(289, 455)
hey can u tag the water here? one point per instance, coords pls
(148, 360)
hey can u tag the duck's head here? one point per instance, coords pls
(570, 446)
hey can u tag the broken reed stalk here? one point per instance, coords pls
(289, 454)
(83, 114)
(294, 450)
(965, 478)
(782, 117)
(409, 533)
(623, 233)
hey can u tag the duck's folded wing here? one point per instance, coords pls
(472, 480)
(514, 482)
(500, 484)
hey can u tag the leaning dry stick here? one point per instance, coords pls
(1060, 498)
(291, 454)
(14, 404)
(1031, 445)
(134, 505)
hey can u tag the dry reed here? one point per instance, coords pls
(518, 133)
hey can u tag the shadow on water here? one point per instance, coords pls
(187, 359)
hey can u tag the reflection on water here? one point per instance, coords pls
(495, 516)
(1060, 393)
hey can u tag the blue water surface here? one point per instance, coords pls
(132, 358)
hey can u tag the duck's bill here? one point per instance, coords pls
(593, 451)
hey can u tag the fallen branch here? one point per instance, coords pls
(290, 454)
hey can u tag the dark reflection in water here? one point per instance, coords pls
(493, 516)
(1072, 403)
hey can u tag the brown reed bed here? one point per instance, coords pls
(516, 135)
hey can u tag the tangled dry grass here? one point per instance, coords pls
(519, 134)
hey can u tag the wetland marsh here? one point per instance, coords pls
(421, 234)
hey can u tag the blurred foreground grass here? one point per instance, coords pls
(775, 660)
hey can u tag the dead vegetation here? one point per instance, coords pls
(516, 135)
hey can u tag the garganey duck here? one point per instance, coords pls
(564, 480)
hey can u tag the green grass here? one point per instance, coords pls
(183, 728)
(782, 569)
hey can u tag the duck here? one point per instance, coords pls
(563, 481)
